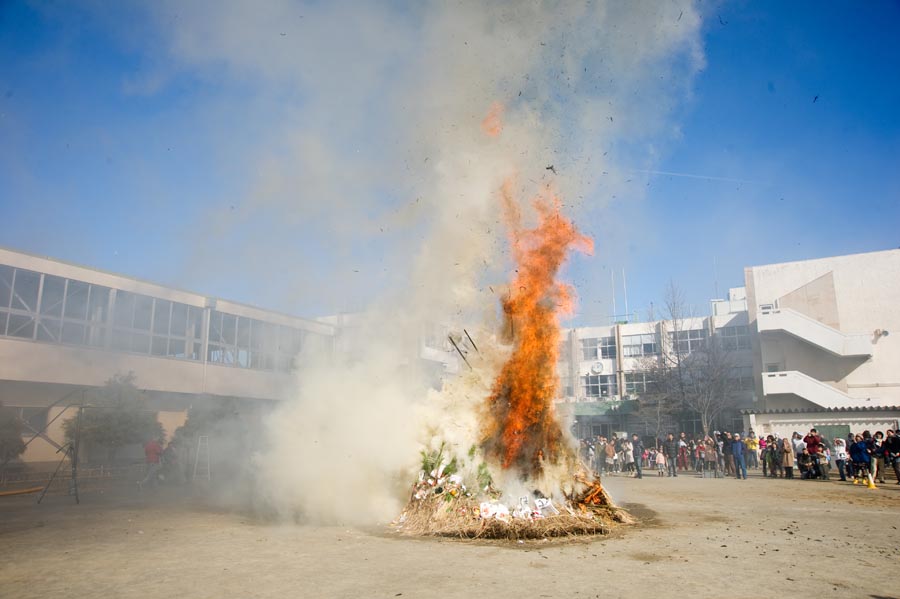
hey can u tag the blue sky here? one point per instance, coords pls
(115, 154)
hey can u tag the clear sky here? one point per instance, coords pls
(117, 153)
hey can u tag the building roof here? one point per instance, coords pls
(820, 409)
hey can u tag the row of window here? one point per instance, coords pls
(602, 347)
(637, 346)
(733, 338)
(250, 343)
(53, 309)
(638, 383)
(150, 325)
(598, 385)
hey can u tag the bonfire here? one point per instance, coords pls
(522, 478)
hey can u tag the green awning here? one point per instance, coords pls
(598, 408)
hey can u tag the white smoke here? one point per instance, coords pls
(375, 150)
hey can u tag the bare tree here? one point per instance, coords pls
(656, 404)
(693, 372)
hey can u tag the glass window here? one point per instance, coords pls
(593, 385)
(635, 346)
(99, 303)
(194, 323)
(52, 296)
(215, 327)
(49, 329)
(179, 319)
(121, 340)
(77, 300)
(21, 325)
(140, 343)
(36, 418)
(589, 349)
(734, 338)
(243, 331)
(143, 312)
(73, 332)
(161, 315)
(124, 311)
(636, 383)
(687, 341)
(229, 326)
(6, 282)
(159, 346)
(742, 377)
(608, 347)
(25, 290)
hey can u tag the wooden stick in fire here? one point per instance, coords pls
(461, 355)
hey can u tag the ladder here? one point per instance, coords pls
(201, 459)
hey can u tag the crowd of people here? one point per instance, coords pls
(861, 458)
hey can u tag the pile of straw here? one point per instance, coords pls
(591, 513)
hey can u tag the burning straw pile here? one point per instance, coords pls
(543, 491)
(443, 506)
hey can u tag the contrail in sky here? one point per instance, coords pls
(692, 176)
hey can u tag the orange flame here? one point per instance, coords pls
(522, 429)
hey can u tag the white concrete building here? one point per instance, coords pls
(66, 328)
(604, 369)
(815, 342)
(828, 345)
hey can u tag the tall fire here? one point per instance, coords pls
(522, 431)
(520, 476)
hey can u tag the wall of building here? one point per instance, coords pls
(23, 360)
(855, 294)
(784, 425)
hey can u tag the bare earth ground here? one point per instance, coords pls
(703, 538)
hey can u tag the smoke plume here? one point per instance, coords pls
(379, 144)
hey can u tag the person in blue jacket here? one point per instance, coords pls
(737, 450)
(861, 458)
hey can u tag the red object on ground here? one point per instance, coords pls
(152, 450)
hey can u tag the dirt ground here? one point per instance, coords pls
(697, 537)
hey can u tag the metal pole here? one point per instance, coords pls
(625, 288)
(612, 284)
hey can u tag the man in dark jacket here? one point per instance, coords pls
(670, 448)
(737, 450)
(637, 451)
(892, 452)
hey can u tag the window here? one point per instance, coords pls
(33, 419)
(636, 383)
(131, 322)
(742, 376)
(144, 324)
(251, 343)
(684, 342)
(52, 296)
(25, 290)
(636, 346)
(51, 309)
(734, 338)
(603, 347)
(607, 347)
(19, 290)
(596, 385)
